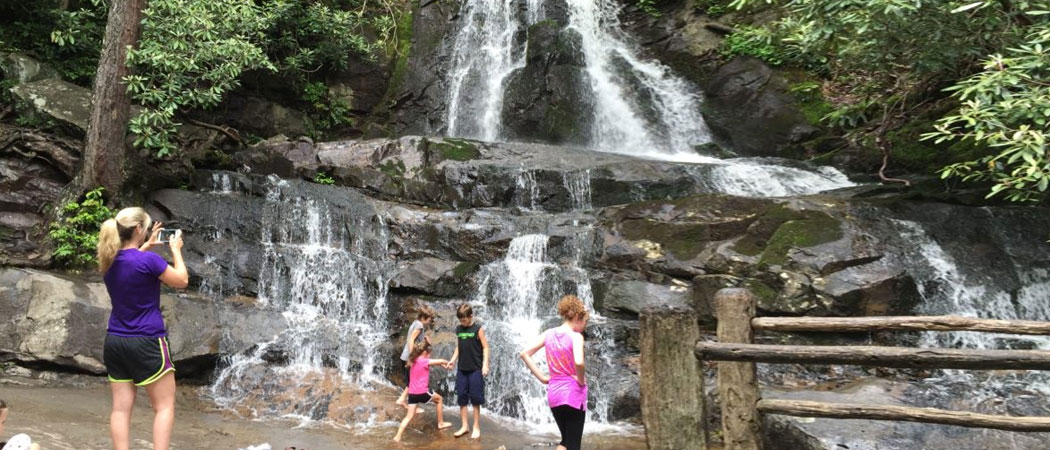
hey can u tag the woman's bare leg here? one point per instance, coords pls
(162, 397)
(120, 416)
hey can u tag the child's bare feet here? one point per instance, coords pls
(443, 425)
(460, 432)
(476, 434)
(397, 438)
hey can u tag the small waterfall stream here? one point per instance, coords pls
(329, 285)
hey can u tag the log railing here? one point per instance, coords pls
(664, 380)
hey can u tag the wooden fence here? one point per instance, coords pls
(673, 409)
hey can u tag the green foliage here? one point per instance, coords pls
(75, 235)
(323, 178)
(1006, 107)
(326, 111)
(69, 39)
(649, 7)
(897, 52)
(307, 36)
(191, 52)
(756, 42)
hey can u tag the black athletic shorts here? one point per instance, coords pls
(139, 360)
(414, 399)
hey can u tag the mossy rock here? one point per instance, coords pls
(393, 168)
(464, 269)
(781, 228)
(456, 149)
(683, 227)
(818, 229)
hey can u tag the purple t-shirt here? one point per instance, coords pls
(134, 291)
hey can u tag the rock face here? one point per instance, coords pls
(53, 321)
(33, 169)
(547, 100)
(747, 105)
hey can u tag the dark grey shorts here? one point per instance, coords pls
(139, 360)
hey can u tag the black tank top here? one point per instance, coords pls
(470, 351)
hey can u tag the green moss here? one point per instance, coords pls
(806, 89)
(393, 168)
(561, 124)
(548, 23)
(818, 229)
(463, 269)
(456, 149)
(400, 51)
(763, 293)
(697, 221)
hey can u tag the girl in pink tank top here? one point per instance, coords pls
(419, 364)
(566, 385)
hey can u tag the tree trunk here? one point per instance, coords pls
(104, 145)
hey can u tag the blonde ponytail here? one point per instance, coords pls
(118, 231)
(108, 244)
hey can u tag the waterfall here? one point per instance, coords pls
(331, 291)
(487, 50)
(578, 183)
(946, 290)
(516, 301)
(641, 108)
(624, 85)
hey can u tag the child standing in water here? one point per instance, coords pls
(566, 385)
(419, 387)
(473, 347)
(416, 336)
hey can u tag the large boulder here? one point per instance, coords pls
(65, 102)
(547, 100)
(23, 69)
(748, 106)
(59, 321)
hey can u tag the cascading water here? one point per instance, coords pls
(621, 123)
(331, 291)
(946, 290)
(659, 117)
(516, 301)
(637, 106)
(485, 54)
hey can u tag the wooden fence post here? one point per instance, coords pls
(737, 382)
(672, 390)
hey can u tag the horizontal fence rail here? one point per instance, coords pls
(918, 358)
(900, 323)
(801, 408)
(742, 404)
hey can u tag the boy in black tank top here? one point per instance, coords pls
(473, 348)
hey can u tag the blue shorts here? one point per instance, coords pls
(470, 388)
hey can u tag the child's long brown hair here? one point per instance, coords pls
(418, 350)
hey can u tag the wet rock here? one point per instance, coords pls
(748, 106)
(633, 296)
(425, 276)
(547, 100)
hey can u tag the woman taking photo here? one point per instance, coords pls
(566, 387)
(136, 349)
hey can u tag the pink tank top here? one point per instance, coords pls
(563, 389)
(419, 376)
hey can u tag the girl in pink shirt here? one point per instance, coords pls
(566, 387)
(419, 363)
